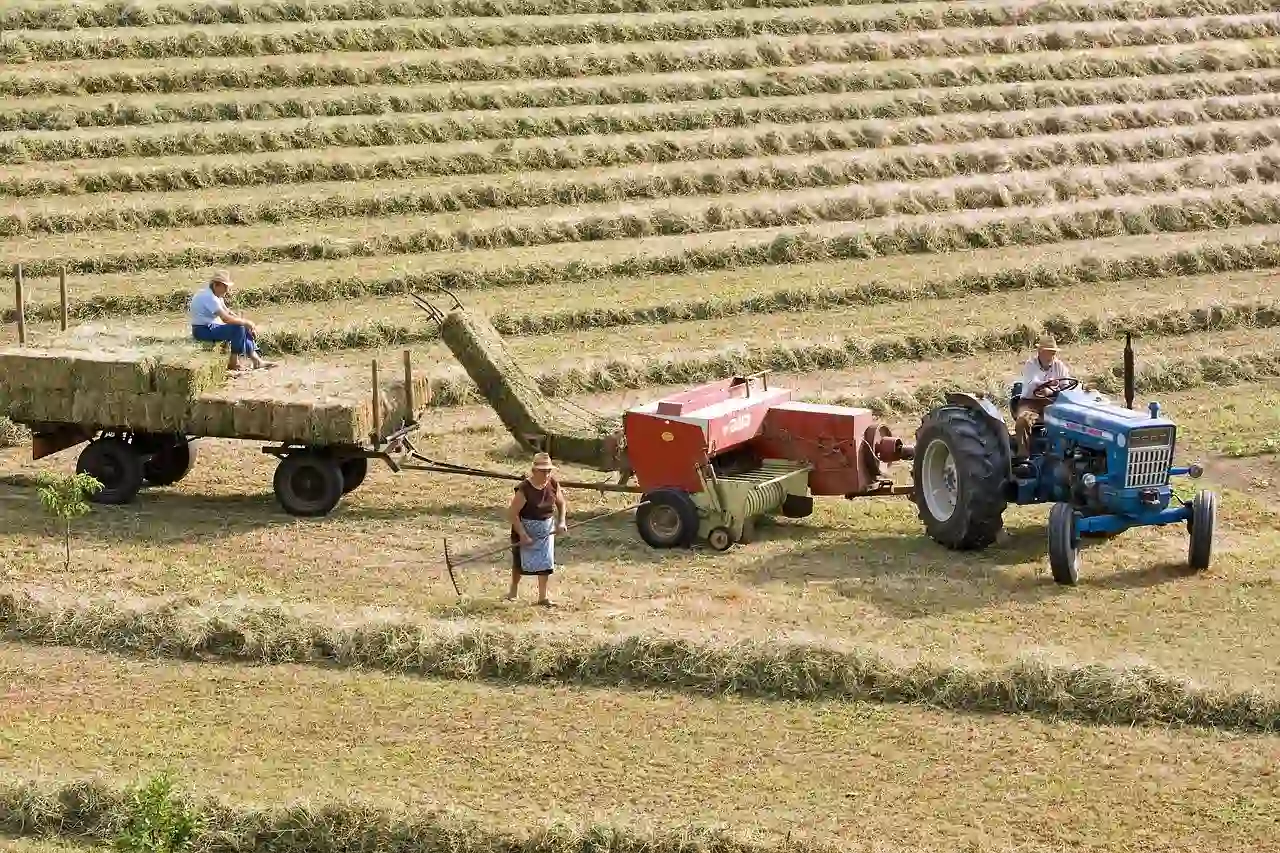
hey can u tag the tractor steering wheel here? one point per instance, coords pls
(1054, 387)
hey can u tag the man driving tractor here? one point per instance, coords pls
(1041, 376)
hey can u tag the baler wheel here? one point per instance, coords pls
(959, 479)
(1064, 545)
(720, 539)
(669, 519)
(1201, 524)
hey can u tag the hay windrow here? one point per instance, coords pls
(379, 132)
(896, 105)
(61, 16)
(419, 35)
(1256, 57)
(90, 811)
(1093, 692)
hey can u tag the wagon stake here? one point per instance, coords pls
(451, 563)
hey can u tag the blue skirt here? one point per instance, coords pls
(540, 557)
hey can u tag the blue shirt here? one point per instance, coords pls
(205, 305)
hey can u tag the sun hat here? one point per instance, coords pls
(1048, 343)
(542, 462)
(221, 277)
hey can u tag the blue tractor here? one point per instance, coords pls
(1105, 468)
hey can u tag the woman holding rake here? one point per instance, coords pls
(537, 512)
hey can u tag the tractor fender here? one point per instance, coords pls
(994, 419)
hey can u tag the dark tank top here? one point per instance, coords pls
(538, 503)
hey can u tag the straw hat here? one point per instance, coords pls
(542, 462)
(1048, 343)
(221, 277)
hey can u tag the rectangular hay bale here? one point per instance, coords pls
(212, 417)
(252, 419)
(189, 377)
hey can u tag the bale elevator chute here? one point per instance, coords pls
(537, 422)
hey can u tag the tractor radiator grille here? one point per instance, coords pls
(1148, 466)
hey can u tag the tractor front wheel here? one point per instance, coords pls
(1064, 544)
(308, 484)
(115, 464)
(669, 519)
(959, 479)
(1201, 524)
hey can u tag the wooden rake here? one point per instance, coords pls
(452, 562)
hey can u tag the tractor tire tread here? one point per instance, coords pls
(979, 515)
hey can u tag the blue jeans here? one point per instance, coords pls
(239, 338)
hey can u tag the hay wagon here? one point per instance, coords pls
(140, 404)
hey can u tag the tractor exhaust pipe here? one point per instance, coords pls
(1128, 370)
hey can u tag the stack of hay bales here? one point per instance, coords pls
(138, 384)
(304, 404)
(523, 408)
(144, 385)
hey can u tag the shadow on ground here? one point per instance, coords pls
(911, 577)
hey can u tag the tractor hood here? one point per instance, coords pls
(1095, 414)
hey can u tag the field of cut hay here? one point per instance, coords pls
(877, 201)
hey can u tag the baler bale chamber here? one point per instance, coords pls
(712, 460)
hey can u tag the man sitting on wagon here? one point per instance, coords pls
(213, 322)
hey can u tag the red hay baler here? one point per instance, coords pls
(713, 459)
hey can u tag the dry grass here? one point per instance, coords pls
(629, 760)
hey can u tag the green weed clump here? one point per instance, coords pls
(585, 64)
(895, 105)
(380, 37)
(186, 629)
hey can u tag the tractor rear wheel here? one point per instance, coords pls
(959, 479)
(1201, 524)
(308, 484)
(1064, 544)
(669, 519)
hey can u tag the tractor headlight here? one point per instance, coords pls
(1089, 481)
(1195, 470)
